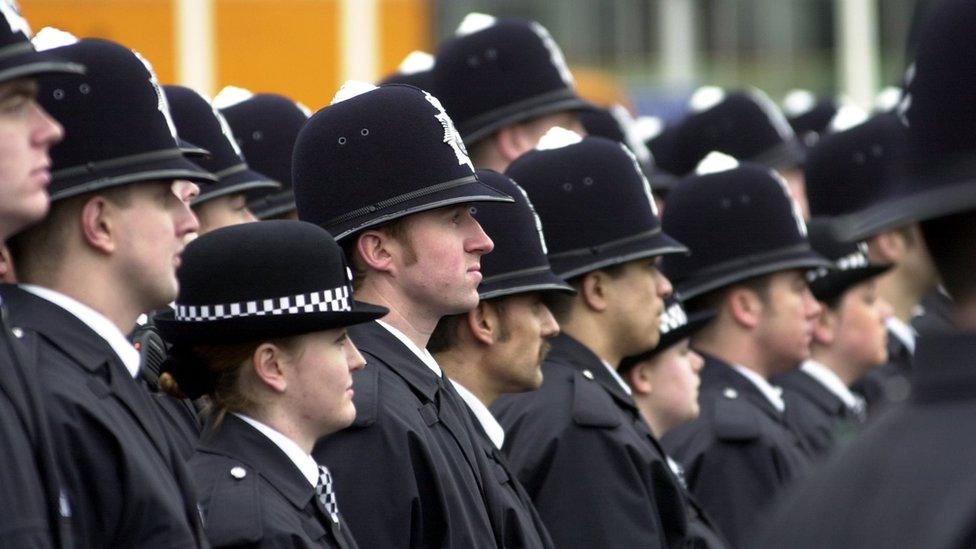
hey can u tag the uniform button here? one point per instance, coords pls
(587, 374)
(731, 393)
(238, 473)
(18, 333)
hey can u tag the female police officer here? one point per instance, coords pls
(267, 345)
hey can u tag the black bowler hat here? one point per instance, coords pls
(383, 154)
(518, 264)
(508, 71)
(850, 170)
(808, 116)
(616, 124)
(739, 223)
(664, 151)
(416, 69)
(746, 125)
(117, 123)
(198, 121)
(266, 126)
(262, 280)
(851, 265)
(938, 110)
(18, 57)
(594, 201)
(676, 325)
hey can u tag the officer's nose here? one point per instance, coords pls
(478, 242)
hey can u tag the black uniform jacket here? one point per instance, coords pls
(253, 495)
(408, 472)
(738, 453)
(908, 480)
(890, 382)
(511, 506)
(127, 485)
(30, 510)
(820, 417)
(590, 463)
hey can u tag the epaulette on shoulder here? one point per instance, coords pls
(592, 406)
(233, 513)
(734, 418)
(365, 385)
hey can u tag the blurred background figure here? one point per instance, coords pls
(265, 126)
(199, 122)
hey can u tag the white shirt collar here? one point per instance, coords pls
(305, 463)
(904, 332)
(773, 394)
(488, 422)
(95, 320)
(826, 377)
(620, 381)
(423, 354)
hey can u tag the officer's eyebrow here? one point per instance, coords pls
(20, 87)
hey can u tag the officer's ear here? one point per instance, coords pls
(513, 141)
(98, 224)
(593, 290)
(372, 246)
(745, 306)
(825, 326)
(639, 378)
(266, 361)
(887, 247)
(483, 323)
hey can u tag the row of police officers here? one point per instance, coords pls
(467, 319)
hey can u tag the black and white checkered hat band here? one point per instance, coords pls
(334, 300)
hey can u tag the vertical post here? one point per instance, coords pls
(360, 40)
(195, 47)
(678, 41)
(856, 22)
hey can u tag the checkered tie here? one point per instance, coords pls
(325, 491)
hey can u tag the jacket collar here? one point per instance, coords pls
(378, 342)
(571, 352)
(808, 387)
(237, 440)
(61, 328)
(718, 375)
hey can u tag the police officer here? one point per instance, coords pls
(384, 171)
(590, 463)
(504, 82)
(107, 252)
(845, 172)
(266, 126)
(497, 348)
(664, 381)
(272, 355)
(849, 339)
(199, 122)
(32, 513)
(748, 263)
(907, 482)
